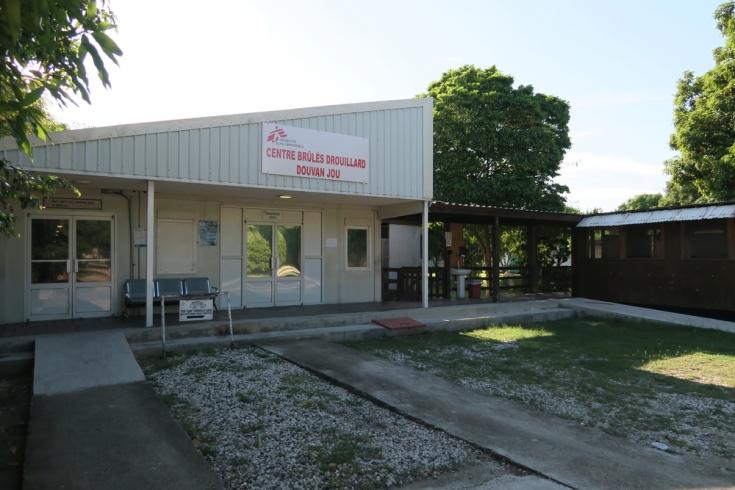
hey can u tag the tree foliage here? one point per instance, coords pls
(45, 44)
(704, 126)
(641, 202)
(497, 144)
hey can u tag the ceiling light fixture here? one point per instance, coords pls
(285, 196)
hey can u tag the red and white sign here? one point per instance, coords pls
(300, 152)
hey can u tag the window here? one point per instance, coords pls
(643, 242)
(357, 247)
(706, 240)
(604, 243)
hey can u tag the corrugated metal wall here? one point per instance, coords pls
(229, 153)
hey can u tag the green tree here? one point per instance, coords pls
(45, 44)
(497, 144)
(704, 126)
(641, 202)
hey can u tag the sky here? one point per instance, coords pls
(616, 62)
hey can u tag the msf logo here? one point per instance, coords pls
(276, 134)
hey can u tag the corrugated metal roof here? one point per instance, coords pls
(483, 206)
(227, 150)
(659, 216)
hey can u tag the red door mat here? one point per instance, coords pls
(401, 323)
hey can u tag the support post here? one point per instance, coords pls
(579, 255)
(532, 258)
(447, 263)
(150, 248)
(425, 255)
(496, 258)
(163, 325)
(229, 318)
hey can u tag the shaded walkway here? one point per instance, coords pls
(559, 449)
(96, 424)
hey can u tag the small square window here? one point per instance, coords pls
(643, 242)
(707, 239)
(604, 243)
(357, 244)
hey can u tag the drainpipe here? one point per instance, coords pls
(120, 193)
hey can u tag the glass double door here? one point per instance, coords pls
(70, 267)
(273, 264)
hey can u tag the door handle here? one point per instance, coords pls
(68, 266)
(76, 266)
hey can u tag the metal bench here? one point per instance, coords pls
(134, 294)
(173, 289)
(199, 287)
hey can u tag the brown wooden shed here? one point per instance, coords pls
(679, 257)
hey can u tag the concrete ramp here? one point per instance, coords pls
(72, 362)
(96, 424)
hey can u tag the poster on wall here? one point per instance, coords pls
(301, 152)
(207, 233)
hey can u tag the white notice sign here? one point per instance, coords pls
(196, 309)
(300, 152)
(139, 237)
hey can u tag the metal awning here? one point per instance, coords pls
(478, 214)
(716, 211)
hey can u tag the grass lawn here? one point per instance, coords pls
(646, 382)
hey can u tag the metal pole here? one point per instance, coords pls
(229, 317)
(425, 255)
(149, 251)
(496, 259)
(533, 272)
(163, 324)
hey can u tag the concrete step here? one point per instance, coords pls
(469, 316)
(191, 344)
(15, 363)
(252, 326)
(14, 345)
(365, 331)
(459, 317)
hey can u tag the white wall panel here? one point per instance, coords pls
(312, 281)
(231, 232)
(176, 248)
(231, 274)
(312, 234)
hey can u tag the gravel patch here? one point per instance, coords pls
(265, 423)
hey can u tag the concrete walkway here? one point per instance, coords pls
(597, 308)
(73, 362)
(558, 449)
(96, 424)
(481, 477)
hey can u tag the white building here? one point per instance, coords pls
(278, 208)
